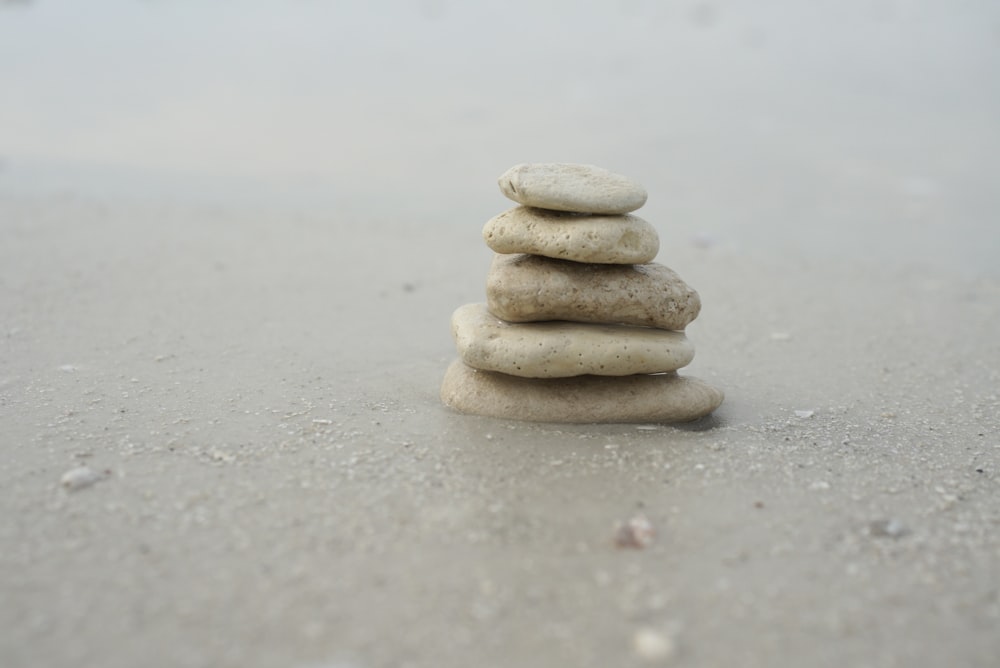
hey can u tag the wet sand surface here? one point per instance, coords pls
(244, 340)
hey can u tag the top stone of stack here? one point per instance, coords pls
(571, 187)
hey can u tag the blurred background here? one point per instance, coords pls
(864, 129)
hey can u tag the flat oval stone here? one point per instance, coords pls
(570, 187)
(561, 349)
(527, 288)
(580, 238)
(643, 398)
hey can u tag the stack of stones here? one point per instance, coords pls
(580, 325)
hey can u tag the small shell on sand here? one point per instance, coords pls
(636, 533)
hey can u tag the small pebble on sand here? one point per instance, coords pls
(888, 528)
(652, 646)
(80, 477)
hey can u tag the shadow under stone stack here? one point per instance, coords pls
(580, 325)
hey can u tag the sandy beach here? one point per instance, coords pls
(230, 244)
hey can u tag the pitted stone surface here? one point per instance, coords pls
(567, 236)
(642, 398)
(526, 288)
(561, 349)
(572, 187)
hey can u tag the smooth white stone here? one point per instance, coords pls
(569, 236)
(525, 288)
(571, 187)
(583, 399)
(561, 349)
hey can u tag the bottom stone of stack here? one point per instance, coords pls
(643, 398)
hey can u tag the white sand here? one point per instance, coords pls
(285, 488)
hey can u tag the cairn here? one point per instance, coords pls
(580, 325)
